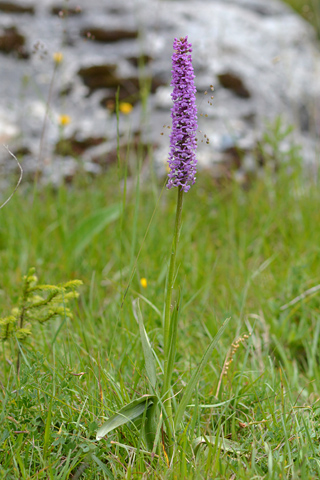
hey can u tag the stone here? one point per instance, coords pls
(8, 131)
(76, 146)
(108, 36)
(63, 169)
(232, 82)
(16, 8)
(11, 41)
(142, 60)
(99, 76)
(261, 58)
(64, 11)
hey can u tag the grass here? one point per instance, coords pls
(247, 252)
(244, 253)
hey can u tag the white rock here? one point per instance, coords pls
(263, 48)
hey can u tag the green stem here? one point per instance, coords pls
(22, 314)
(172, 265)
(167, 318)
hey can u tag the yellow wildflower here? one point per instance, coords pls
(144, 282)
(125, 107)
(64, 120)
(57, 57)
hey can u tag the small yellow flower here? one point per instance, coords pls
(125, 107)
(64, 120)
(57, 57)
(144, 282)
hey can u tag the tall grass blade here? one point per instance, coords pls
(91, 226)
(196, 376)
(146, 347)
(47, 431)
(103, 467)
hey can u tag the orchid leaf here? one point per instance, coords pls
(152, 426)
(127, 414)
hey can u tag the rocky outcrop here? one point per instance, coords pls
(260, 57)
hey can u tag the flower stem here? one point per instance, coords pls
(167, 317)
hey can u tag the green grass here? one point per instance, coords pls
(243, 253)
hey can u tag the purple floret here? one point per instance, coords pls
(182, 157)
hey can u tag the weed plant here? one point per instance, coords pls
(252, 251)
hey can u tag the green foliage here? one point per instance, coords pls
(275, 153)
(251, 252)
(89, 227)
(196, 375)
(37, 303)
(43, 429)
(127, 414)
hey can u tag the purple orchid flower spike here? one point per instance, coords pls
(182, 158)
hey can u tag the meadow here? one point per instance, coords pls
(244, 254)
(248, 252)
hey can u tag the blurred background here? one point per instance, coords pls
(256, 64)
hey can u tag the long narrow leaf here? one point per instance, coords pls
(151, 426)
(196, 376)
(89, 227)
(146, 347)
(150, 304)
(47, 431)
(126, 415)
(220, 442)
(103, 467)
